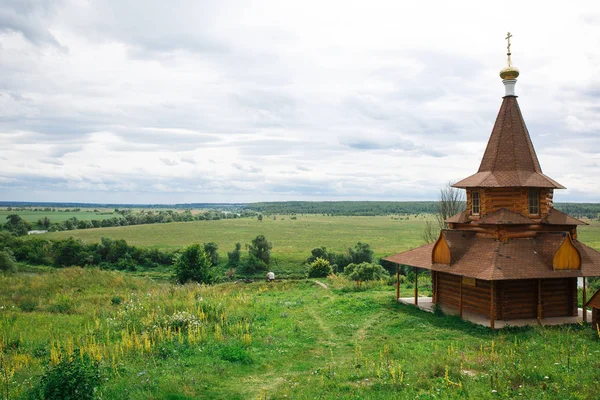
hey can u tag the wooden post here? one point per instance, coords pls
(416, 286)
(584, 301)
(539, 307)
(460, 300)
(492, 322)
(398, 283)
(435, 288)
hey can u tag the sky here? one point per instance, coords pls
(118, 101)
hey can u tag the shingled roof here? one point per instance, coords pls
(489, 259)
(509, 159)
(556, 217)
(504, 216)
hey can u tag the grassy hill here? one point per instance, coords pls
(153, 340)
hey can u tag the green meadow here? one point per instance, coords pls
(140, 339)
(59, 216)
(292, 238)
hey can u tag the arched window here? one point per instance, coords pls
(534, 201)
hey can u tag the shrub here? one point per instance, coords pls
(7, 261)
(261, 249)
(210, 249)
(193, 265)
(365, 272)
(360, 253)
(251, 265)
(233, 257)
(73, 378)
(116, 300)
(319, 268)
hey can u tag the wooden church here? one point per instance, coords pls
(510, 255)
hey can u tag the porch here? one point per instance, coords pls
(427, 304)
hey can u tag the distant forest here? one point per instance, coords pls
(371, 208)
(337, 208)
(356, 208)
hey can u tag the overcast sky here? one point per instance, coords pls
(197, 101)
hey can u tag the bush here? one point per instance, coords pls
(116, 300)
(7, 261)
(251, 265)
(73, 378)
(63, 304)
(319, 268)
(193, 265)
(261, 249)
(365, 272)
(233, 257)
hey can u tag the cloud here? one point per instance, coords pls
(189, 101)
(169, 163)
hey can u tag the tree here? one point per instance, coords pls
(210, 249)
(193, 265)
(7, 261)
(233, 257)
(261, 249)
(260, 217)
(365, 272)
(321, 252)
(361, 252)
(452, 201)
(17, 225)
(319, 268)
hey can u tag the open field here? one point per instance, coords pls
(153, 340)
(292, 239)
(59, 216)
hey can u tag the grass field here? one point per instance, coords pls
(59, 216)
(292, 239)
(290, 339)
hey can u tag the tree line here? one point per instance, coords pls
(19, 226)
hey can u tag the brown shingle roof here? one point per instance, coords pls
(556, 217)
(489, 259)
(459, 218)
(504, 216)
(509, 159)
(594, 301)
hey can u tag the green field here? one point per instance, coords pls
(59, 216)
(292, 239)
(288, 339)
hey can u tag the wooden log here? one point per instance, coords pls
(398, 283)
(416, 287)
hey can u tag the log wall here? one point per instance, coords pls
(514, 199)
(476, 298)
(559, 297)
(514, 299)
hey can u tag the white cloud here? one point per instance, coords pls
(226, 101)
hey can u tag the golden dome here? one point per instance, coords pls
(509, 72)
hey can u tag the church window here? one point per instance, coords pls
(475, 204)
(534, 201)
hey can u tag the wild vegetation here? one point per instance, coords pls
(128, 337)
